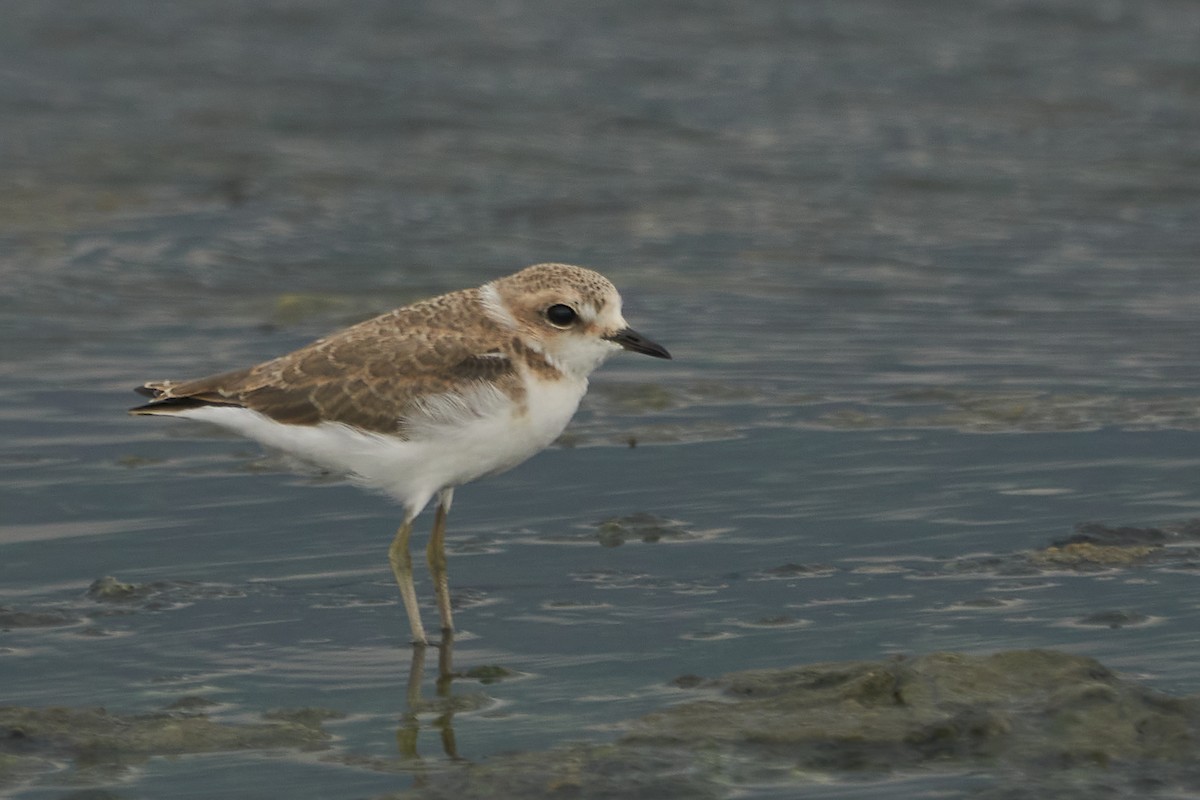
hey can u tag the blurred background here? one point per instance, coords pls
(929, 272)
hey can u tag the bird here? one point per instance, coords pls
(427, 397)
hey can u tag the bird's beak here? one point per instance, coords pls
(632, 340)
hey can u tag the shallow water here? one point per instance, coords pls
(929, 276)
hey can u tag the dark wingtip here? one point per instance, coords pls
(169, 405)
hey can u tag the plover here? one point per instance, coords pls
(425, 398)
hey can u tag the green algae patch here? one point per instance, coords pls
(96, 731)
(110, 590)
(991, 411)
(637, 398)
(307, 717)
(1083, 555)
(36, 740)
(583, 772)
(1042, 714)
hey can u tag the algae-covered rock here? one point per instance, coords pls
(33, 739)
(1093, 547)
(1017, 706)
(1085, 555)
(1038, 713)
(108, 589)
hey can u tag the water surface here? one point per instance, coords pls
(928, 273)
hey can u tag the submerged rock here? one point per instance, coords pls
(156, 595)
(489, 673)
(13, 618)
(1101, 535)
(648, 528)
(1039, 713)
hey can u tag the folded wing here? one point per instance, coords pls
(374, 376)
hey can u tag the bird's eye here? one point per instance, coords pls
(560, 315)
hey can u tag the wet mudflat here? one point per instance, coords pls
(912, 512)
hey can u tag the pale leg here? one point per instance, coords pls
(436, 553)
(401, 561)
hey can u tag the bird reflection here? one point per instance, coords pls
(444, 702)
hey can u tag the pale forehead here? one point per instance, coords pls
(588, 284)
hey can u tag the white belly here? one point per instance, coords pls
(438, 456)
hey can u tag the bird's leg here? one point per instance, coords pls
(445, 663)
(436, 553)
(410, 729)
(401, 561)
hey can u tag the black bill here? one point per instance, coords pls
(632, 340)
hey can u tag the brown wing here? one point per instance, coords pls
(371, 375)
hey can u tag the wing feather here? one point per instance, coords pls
(378, 375)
